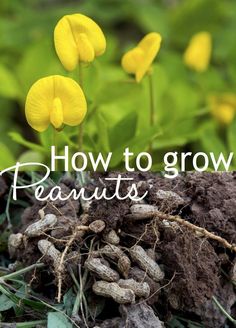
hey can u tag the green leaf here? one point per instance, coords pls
(37, 305)
(7, 158)
(102, 132)
(124, 130)
(114, 91)
(30, 156)
(68, 300)
(58, 320)
(5, 303)
(28, 72)
(20, 140)
(9, 87)
(136, 145)
(211, 141)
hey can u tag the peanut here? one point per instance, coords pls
(112, 238)
(142, 211)
(38, 227)
(14, 242)
(48, 249)
(141, 289)
(97, 226)
(113, 290)
(139, 256)
(111, 251)
(115, 253)
(103, 271)
(124, 265)
(170, 196)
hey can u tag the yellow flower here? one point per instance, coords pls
(198, 53)
(57, 100)
(223, 107)
(138, 61)
(77, 39)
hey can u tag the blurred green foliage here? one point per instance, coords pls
(118, 113)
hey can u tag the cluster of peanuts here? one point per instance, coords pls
(120, 285)
(123, 274)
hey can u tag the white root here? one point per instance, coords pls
(39, 227)
(84, 218)
(142, 211)
(112, 238)
(103, 271)
(139, 256)
(113, 290)
(48, 249)
(141, 289)
(14, 242)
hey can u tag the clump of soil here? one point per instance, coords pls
(176, 270)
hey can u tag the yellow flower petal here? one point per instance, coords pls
(38, 101)
(56, 114)
(77, 37)
(65, 45)
(56, 100)
(150, 40)
(138, 61)
(86, 51)
(74, 104)
(83, 24)
(223, 107)
(198, 53)
(150, 45)
(224, 113)
(131, 60)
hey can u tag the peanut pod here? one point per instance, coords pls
(111, 251)
(14, 242)
(48, 249)
(142, 211)
(124, 265)
(115, 253)
(39, 227)
(112, 238)
(103, 271)
(167, 195)
(139, 256)
(113, 290)
(97, 226)
(141, 289)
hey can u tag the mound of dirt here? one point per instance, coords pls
(174, 269)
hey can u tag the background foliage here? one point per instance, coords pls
(118, 113)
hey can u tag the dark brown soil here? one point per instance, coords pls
(196, 268)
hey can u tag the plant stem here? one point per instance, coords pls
(21, 271)
(224, 311)
(81, 127)
(152, 105)
(27, 324)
